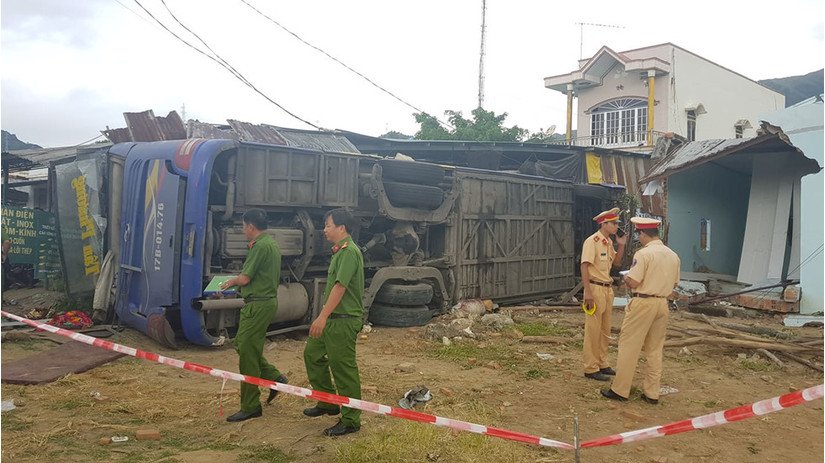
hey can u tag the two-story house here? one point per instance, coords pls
(626, 98)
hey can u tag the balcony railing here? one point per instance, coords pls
(613, 140)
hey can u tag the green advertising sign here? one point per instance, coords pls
(32, 235)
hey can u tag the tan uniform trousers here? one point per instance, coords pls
(597, 329)
(643, 329)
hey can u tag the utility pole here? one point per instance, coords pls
(481, 57)
(581, 33)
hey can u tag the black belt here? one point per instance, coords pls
(648, 295)
(607, 285)
(333, 316)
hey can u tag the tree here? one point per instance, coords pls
(395, 135)
(484, 126)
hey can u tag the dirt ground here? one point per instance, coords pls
(497, 381)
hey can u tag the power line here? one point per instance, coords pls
(343, 64)
(225, 65)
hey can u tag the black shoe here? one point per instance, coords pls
(340, 429)
(315, 411)
(598, 376)
(608, 371)
(272, 392)
(612, 395)
(242, 415)
(649, 400)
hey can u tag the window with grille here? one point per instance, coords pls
(738, 130)
(691, 125)
(619, 122)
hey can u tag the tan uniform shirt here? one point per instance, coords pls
(598, 251)
(656, 267)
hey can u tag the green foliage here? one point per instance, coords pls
(483, 126)
(392, 134)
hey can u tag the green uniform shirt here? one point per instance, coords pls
(263, 267)
(347, 268)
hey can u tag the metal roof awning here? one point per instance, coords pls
(696, 153)
(21, 160)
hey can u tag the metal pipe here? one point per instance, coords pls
(231, 168)
(651, 101)
(115, 204)
(218, 304)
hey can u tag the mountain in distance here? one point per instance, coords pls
(797, 88)
(10, 142)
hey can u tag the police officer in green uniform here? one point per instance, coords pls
(258, 281)
(331, 345)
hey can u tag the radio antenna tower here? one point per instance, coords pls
(481, 57)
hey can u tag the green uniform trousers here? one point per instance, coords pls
(249, 343)
(334, 352)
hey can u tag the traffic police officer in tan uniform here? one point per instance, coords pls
(652, 278)
(331, 345)
(598, 256)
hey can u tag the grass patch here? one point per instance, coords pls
(12, 422)
(535, 374)
(71, 404)
(542, 329)
(755, 365)
(265, 454)
(404, 441)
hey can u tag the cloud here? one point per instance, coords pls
(67, 22)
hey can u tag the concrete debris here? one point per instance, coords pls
(446, 341)
(8, 405)
(497, 321)
(470, 308)
(367, 329)
(147, 434)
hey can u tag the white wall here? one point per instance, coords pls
(804, 125)
(726, 96)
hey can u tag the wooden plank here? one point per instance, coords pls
(52, 364)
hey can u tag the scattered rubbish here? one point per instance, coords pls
(105, 441)
(685, 351)
(120, 438)
(366, 329)
(446, 341)
(433, 456)
(544, 356)
(415, 396)
(469, 332)
(147, 434)
(72, 320)
(741, 356)
(665, 390)
(8, 405)
(364, 337)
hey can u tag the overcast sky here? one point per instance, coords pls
(71, 68)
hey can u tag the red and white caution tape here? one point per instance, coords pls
(762, 407)
(300, 391)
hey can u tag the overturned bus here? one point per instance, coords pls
(431, 235)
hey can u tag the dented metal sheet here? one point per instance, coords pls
(145, 126)
(698, 152)
(256, 133)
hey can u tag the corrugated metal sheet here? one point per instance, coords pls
(36, 158)
(145, 126)
(256, 133)
(321, 141)
(197, 129)
(696, 152)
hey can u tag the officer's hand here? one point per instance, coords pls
(588, 300)
(317, 327)
(621, 240)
